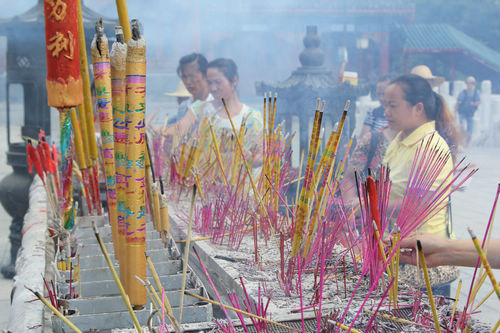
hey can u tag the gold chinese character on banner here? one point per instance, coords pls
(58, 9)
(59, 42)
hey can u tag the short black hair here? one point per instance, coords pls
(227, 67)
(190, 58)
(386, 77)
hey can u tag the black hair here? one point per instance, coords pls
(227, 67)
(190, 58)
(416, 90)
(383, 78)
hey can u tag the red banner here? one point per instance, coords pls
(64, 85)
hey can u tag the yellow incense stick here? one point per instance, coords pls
(190, 160)
(485, 298)
(87, 96)
(53, 309)
(170, 316)
(240, 311)
(164, 219)
(157, 281)
(478, 284)
(307, 189)
(344, 327)
(121, 7)
(156, 207)
(150, 295)
(249, 172)
(497, 325)
(428, 285)
(186, 254)
(180, 166)
(117, 279)
(456, 298)
(485, 262)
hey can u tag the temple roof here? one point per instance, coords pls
(423, 38)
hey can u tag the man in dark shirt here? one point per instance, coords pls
(467, 103)
(375, 119)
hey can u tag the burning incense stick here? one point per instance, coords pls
(102, 79)
(249, 173)
(157, 281)
(157, 303)
(54, 310)
(148, 291)
(186, 254)
(228, 307)
(329, 156)
(135, 233)
(428, 285)
(307, 187)
(343, 326)
(117, 279)
(121, 7)
(485, 262)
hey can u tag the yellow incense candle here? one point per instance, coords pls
(118, 55)
(156, 207)
(428, 285)
(164, 214)
(135, 232)
(102, 79)
(485, 262)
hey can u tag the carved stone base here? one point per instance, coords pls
(14, 196)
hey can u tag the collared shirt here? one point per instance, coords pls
(375, 119)
(399, 157)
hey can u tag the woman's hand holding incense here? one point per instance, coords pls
(440, 251)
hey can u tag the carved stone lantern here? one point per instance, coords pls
(297, 95)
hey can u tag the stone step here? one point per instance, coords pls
(103, 273)
(95, 249)
(98, 261)
(108, 287)
(112, 320)
(96, 305)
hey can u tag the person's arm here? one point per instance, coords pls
(440, 251)
(181, 127)
(477, 99)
